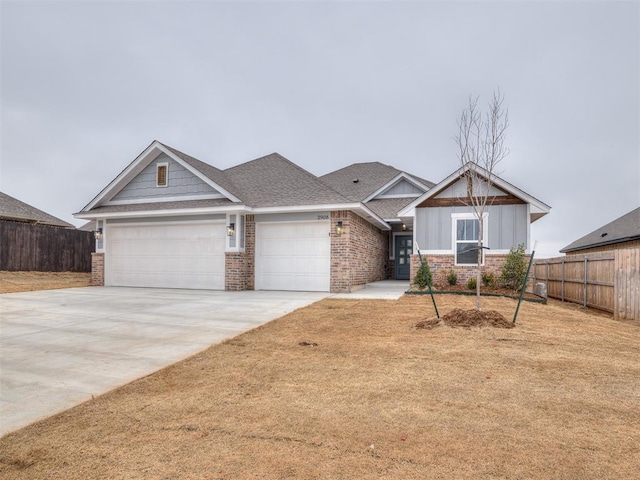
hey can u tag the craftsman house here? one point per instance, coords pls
(170, 220)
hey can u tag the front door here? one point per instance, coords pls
(403, 249)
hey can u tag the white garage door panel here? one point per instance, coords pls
(293, 256)
(166, 256)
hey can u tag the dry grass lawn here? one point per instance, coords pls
(11, 282)
(556, 397)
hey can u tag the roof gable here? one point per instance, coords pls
(206, 173)
(13, 209)
(622, 229)
(181, 183)
(451, 184)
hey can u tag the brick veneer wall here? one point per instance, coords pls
(359, 255)
(97, 269)
(240, 266)
(444, 263)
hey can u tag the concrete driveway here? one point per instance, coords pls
(59, 348)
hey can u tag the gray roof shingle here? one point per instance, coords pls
(388, 208)
(370, 175)
(215, 174)
(623, 229)
(274, 181)
(13, 209)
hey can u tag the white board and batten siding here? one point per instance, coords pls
(293, 255)
(166, 255)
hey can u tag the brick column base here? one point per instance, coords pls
(97, 269)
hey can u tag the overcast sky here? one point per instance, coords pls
(86, 86)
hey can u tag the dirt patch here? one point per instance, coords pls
(554, 398)
(467, 319)
(11, 282)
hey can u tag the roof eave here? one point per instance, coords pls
(614, 241)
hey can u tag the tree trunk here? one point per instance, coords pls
(479, 272)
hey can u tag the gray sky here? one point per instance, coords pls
(86, 86)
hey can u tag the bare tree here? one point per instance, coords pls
(481, 146)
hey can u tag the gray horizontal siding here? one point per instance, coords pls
(508, 226)
(181, 182)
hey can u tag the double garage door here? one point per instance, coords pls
(289, 255)
(171, 255)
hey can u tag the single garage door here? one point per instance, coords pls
(293, 256)
(169, 255)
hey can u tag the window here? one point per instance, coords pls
(162, 170)
(466, 232)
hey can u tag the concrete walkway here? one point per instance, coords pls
(385, 290)
(59, 348)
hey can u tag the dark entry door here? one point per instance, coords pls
(404, 247)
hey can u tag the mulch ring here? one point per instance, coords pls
(458, 318)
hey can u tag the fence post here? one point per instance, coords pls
(586, 261)
(563, 275)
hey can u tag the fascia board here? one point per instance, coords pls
(305, 208)
(365, 212)
(409, 210)
(139, 164)
(369, 216)
(394, 180)
(165, 212)
(127, 172)
(538, 206)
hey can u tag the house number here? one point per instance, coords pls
(323, 217)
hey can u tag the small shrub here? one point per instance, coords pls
(423, 277)
(471, 283)
(452, 277)
(514, 269)
(489, 279)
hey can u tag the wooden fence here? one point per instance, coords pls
(608, 281)
(42, 248)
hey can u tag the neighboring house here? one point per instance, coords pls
(33, 240)
(624, 232)
(14, 210)
(446, 229)
(602, 269)
(170, 220)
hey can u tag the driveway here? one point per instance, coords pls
(59, 348)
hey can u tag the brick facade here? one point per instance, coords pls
(240, 266)
(359, 255)
(97, 269)
(440, 265)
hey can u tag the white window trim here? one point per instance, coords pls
(166, 165)
(454, 234)
(239, 231)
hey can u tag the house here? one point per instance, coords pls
(170, 220)
(623, 232)
(14, 210)
(608, 262)
(33, 240)
(446, 229)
